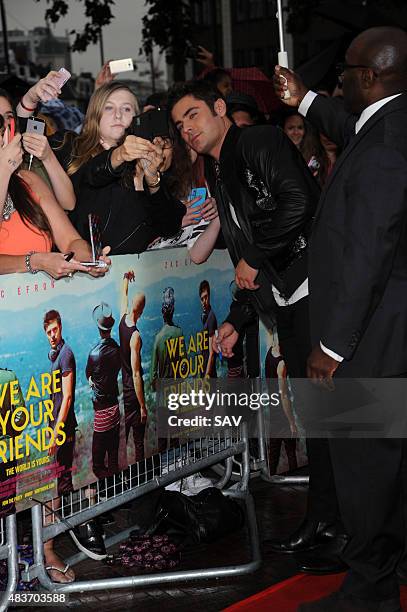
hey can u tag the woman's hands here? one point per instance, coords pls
(149, 155)
(37, 145)
(93, 271)
(194, 215)
(104, 76)
(11, 155)
(44, 90)
(57, 266)
(205, 57)
(209, 210)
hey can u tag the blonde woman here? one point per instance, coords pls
(132, 214)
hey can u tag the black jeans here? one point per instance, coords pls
(106, 443)
(132, 419)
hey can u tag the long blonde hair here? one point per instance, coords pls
(87, 144)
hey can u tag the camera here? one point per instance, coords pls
(150, 124)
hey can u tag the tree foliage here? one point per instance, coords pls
(97, 12)
(168, 24)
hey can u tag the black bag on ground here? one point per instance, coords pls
(205, 517)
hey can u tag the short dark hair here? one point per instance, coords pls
(216, 75)
(204, 285)
(199, 89)
(51, 315)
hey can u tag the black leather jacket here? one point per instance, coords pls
(103, 366)
(274, 196)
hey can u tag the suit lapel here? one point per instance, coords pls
(390, 107)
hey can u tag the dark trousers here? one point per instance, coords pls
(64, 458)
(368, 477)
(132, 420)
(105, 445)
(295, 346)
(245, 361)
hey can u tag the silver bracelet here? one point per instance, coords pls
(28, 263)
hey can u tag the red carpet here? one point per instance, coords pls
(287, 595)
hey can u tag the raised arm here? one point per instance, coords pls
(135, 348)
(38, 145)
(124, 307)
(326, 114)
(44, 90)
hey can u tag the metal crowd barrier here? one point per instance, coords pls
(158, 471)
(259, 461)
(8, 550)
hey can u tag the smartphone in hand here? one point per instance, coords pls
(11, 128)
(122, 65)
(63, 76)
(198, 192)
(35, 126)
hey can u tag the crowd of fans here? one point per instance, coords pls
(140, 190)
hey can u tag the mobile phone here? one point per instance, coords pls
(122, 65)
(63, 76)
(9, 131)
(150, 124)
(198, 192)
(35, 126)
(95, 233)
(11, 128)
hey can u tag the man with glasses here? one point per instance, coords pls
(358, 289)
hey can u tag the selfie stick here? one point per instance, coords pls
(282, 55)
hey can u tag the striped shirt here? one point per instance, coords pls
(107, 418)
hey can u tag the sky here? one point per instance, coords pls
(122, 38)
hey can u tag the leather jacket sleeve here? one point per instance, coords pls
(291, 192)
(241, 312)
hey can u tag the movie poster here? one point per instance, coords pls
(286, 442)
(80, 359)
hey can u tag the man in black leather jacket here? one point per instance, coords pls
(266, 200)
(102, 370)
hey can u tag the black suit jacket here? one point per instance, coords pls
(358, 253)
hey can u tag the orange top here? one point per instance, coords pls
(17, 238)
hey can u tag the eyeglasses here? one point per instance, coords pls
(342, 66)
